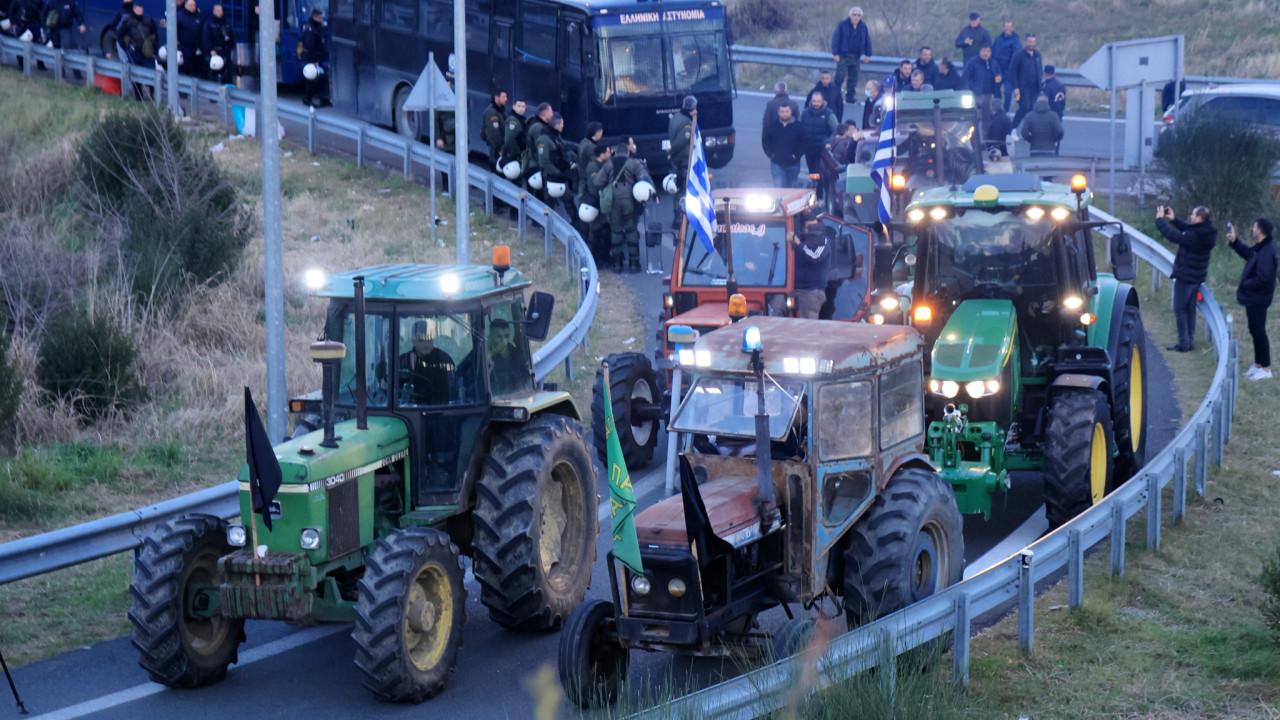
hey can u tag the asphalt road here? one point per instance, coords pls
(290, 673)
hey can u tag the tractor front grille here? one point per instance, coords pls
(344, 518)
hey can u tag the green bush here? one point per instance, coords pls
(1271, 603)
(1221, 164)
(10, 394)
(120, 152)
(90, 360)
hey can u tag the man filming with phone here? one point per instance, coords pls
(1195, 241)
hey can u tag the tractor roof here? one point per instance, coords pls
(1014, 189)
(836, 347)
(947, 100)
(422, 282)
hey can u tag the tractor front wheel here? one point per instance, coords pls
(410, 610)
(908, 546)
(535, 524)
(1078, 468)
(593, 664)
(173, 574)
(1129, 414)
(637, 408)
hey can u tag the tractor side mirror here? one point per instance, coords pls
(538, 317)
(1122, 260)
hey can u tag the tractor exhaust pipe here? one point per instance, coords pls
(362, 404)
(329, 354)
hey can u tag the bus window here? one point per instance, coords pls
(398, 15)
(697, 62)
(501, 40)
(537, 43)
(344, 10)
(572, 49)
(436, 20)
(364, 11)
(478, 24)
(634, 66)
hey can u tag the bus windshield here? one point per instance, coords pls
(759, 256)
(657, 58)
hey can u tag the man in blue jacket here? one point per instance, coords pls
(972, 37)
(850, 47)
(1003, 48)
(68, 16)
(982, 76)
(1195, 241)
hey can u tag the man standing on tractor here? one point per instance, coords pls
(1195, 242)
(813, 264)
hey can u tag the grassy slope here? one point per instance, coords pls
(190, 436)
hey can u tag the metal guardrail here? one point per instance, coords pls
(97, 539)
(952, 611)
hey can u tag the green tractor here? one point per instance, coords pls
(451, 448)
(1037, 361)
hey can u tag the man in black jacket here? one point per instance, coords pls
(191, 40)
(679, 138)
(68, 17)
(315, 50)
(830, 92)
(783, 143)
(491, 125)
(1042, 129)
(927, 66)
(1026, 71)
(972, 37)
(1256, 291)
(780, 98)
(219, 41)
(1195, 242)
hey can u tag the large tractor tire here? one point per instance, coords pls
(593, 664)
(1129, 413)
(179, 649)
(637, 405)
(1078, 461)
(410, 610)
(908, 546)
(535, 524)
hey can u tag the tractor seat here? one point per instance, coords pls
(730, 503)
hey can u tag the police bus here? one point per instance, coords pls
(291, 15)
(623, 63)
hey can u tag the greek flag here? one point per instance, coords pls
(882, 165)
(697, 200)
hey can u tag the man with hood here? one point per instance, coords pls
(1042, 129)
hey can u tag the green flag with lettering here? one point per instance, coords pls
(622, 497)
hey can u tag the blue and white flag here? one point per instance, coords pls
(698, 205)
(882, 164)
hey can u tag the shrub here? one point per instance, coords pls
(10, 394)
(122, 149)
(1221, 164)
(90, 360)
(1271, 603)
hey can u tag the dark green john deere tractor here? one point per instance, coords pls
(1037, 360)
(451, 449)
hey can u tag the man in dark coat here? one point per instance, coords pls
(679, 137)
(1026, 71)
(219, 41)
(191, 40)
(982, 76)
(1042, 129)
(850, 47)
(553, 162)
(902, 75)
(597, 235)
(1003, 48)
(139, 35)
(995, 128)
(830, 92)
(780, 98)
(948, 78)
(1195, 241)
(491, 124)
(871, 106)
(68, 17)
(1256, 290)
(818, 123)
(315, 50)
(1055, 91)
(972, 37)
(927, 66)
(623, 172)
(515, 137)
(783, 143)
(583, 155)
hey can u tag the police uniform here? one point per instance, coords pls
(680, 133)
(491, 131)
(624, 217)
(553, 165)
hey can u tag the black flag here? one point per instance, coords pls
(696, 521)
(264, 469)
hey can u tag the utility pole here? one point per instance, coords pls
(461, 190)
(171, 65)
(273, 261)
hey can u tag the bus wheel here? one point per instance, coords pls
(407, 121)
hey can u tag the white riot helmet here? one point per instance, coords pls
(556, 189)
(163, 54)
(535, 180)
(511, 170)
(669, 184)
(587, 213)
(642, 191)
(310, 71)
(26, 36)
(216, 63)
(5, 25)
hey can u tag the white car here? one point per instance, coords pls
(1255, 103)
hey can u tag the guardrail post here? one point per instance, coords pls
(1117, 540)
(1218, 422)
(408, 157)
(360, 145)
(1179, 484)
(1026, 603)
(157, 88)
(1155, 280)
(488, 194)
(126, 81)
(960, 641)
(1234, 374)
(568, 366)
(1153, 512)
(1202, 457)
(1075, 569)
(311, 130)
(57, 64)
(546, 233)
(522, 216)
(28, 58)
(568, 258)
(888, 662)
(90, 70)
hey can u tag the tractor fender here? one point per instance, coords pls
(919, 460)
(1113, 298)
(1078, 381)
(542, 402)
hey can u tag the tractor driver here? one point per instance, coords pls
(507, 369)
(426, 369)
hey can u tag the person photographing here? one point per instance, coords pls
(1195, 241)
(1256, 290)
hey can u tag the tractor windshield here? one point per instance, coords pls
(759, 256)
(719, 405)
(437, 363)
(341, 326)
(998, 254)
(921, 143)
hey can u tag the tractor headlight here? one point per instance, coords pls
(915, 215)
(640, 584)
(309, 539)
(677, 588)
(1059, 214)
(889, 303)
(982, 388)
(877, 319)
(945, 388)
(703, 358)
(1072, 302)
(686, 356)
(236, 536)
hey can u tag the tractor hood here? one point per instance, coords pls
(304, 462)
(976, 342)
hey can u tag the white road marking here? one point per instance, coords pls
(1026, 534)
(248, 657)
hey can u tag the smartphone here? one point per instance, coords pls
(1229, 227)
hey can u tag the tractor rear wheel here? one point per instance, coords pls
(180, 649)
(908, 546)
(410, 610)
(593, 664)
(535, 524)
(637, 400)
(1078, 469)
(1129, 413)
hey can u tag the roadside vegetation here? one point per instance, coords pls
(131, 298)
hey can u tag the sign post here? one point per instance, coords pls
(431, 92)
